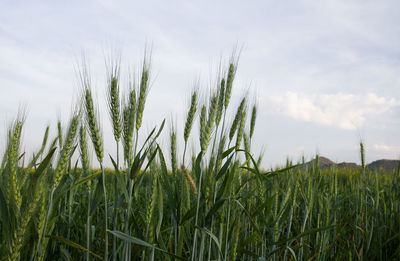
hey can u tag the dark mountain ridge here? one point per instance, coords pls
(382, 165)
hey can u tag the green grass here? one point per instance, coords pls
(215, 204)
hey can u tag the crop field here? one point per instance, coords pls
(216, 203)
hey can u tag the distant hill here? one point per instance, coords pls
(324, 162)
(383, 165)
(348, 165)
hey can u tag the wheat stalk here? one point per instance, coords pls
(115, 115)
(97, 141)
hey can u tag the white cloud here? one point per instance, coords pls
(385, 148)
(346, 111)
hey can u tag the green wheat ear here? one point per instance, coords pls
(221, 99)
(129, 113)
(220, 151)
(207, 124)
(362, 154)
(237, 118)
(212, 112)
(60, 135)
(12, 154)
(203, 121)
(113, 100)
(65, 154)
(253, 120)
(190, 181)
(151, 206)
(143, 91)
(247, 148)
(174, 162)
(240, 130)
(92, 122)
(229, 83)
(16, 244)
(190, 116)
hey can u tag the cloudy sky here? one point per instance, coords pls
(325, 73)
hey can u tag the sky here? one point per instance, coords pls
(325, 74)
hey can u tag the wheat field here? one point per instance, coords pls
(213, 203)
